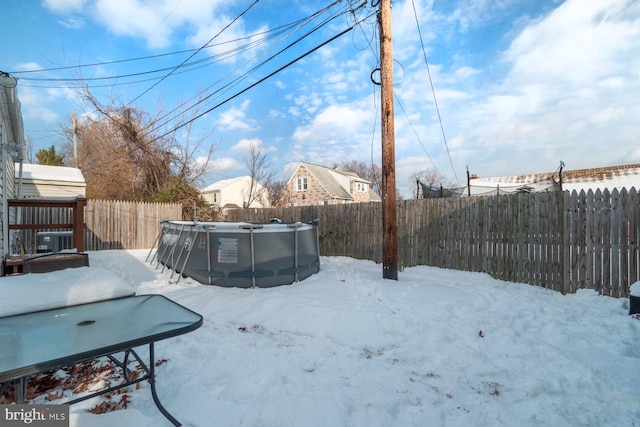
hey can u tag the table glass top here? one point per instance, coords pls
(33, 342)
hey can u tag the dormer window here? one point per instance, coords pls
(361, 186)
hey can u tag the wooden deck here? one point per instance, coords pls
(43, 263)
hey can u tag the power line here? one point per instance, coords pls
(205, 99)
(416, 133)
(195, 53)
(256, 83)
(277, 31)
(193, 65)
(433, 91)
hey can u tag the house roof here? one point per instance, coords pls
(610, 177)
(334, 180)
(219, 185)
(49, 173)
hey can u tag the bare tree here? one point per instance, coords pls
(371, 172)
(122, 159)
(258, 165)
(432, 180)
(429, 177)
(29, 150)
(277, 193)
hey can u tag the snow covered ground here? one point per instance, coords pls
(347, 348)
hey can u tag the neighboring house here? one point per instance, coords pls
(233, 193)
(319, 185)
(49, 181)
(13, 148)
(611, 177)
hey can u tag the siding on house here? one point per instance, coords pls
(12, 143)
(610, 177)
(232, 193)
(50, 181)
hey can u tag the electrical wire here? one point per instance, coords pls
(255, 84)
(207, 99)
(195, 53)
(190, 66)
(433, 91)
(416, 134)
(375, 54)
(277, 30)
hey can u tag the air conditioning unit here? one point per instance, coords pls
(54, 241)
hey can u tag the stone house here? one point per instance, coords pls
(313, 184)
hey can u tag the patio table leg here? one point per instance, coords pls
(20, 390)
(152, 381)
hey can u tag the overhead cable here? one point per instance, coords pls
(256, 83)
(195, 53)
(203, 100)
(433, 91)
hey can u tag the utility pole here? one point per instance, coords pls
(75, 139)
(389, 206)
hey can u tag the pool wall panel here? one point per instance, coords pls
(240, 254)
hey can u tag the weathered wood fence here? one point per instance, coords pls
(110, 224)
(126, 225)
(559, 240)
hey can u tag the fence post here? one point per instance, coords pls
(78, 223)
(564, 239)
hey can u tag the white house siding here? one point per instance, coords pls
(51, 181)
(12, 143)
(233, 192)
(609, 177)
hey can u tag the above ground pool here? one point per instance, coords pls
(240, 254)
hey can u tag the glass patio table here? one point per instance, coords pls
(37, 342)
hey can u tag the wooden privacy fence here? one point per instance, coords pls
(110, 224)
(559, 240)
(115, 224)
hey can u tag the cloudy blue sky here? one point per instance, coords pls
(521, 84)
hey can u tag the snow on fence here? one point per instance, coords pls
(559, 240)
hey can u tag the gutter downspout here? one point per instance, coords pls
(5, 205)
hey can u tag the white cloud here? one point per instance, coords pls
(235, 118)
(466, 72)
(30, 66)
(310, 102)
(64, 6)
(244, 144)
(43, 104)
(333, 122)
(571, 81)
(577, 44)
(72, 23)
(226, 164)
(157, 22)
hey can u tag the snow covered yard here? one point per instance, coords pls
(347, 348)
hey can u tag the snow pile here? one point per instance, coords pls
(634, 290)
(347, 348)
(35, 292)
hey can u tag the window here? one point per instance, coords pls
(301, 184)
(360, 186)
